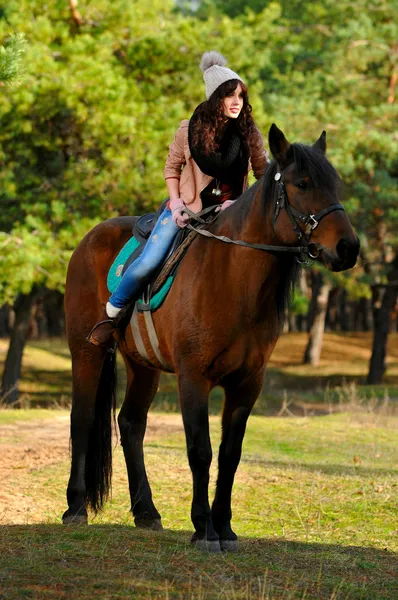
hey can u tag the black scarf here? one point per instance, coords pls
(229, 163)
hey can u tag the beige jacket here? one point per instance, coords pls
(180, 165)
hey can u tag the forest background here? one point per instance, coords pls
(105, 85)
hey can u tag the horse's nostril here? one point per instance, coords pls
(348, 250)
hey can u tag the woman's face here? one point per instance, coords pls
(233, 103)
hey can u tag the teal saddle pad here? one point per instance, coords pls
(116, 270)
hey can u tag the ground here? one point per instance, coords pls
(314, 502)
(27, 446)
(314, 506)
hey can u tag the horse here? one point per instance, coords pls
(217, 327)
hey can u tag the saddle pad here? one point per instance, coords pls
(116, 270)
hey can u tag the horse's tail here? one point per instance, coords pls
(98, 471)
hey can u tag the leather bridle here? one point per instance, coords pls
(310, 222)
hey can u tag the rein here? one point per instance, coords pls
(310, 221)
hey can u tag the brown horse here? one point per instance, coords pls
(217, 326)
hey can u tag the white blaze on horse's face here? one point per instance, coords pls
(233, 103)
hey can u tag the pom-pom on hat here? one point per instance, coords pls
(215, 72)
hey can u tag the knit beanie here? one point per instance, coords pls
(215, 72)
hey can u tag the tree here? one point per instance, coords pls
(107, 84)
(11, 55)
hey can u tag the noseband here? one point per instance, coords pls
(310, 222)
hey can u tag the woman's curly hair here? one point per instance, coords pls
(210, 119)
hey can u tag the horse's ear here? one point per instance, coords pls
(321, 142)
(278, 145)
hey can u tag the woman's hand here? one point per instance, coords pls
(177, 207)
(225, 205)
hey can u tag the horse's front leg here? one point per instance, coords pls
(239, 400)
(194, 397)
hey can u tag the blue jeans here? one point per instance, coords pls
(142, 269)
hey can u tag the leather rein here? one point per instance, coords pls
(281, 202)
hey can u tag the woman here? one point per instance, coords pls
(208, 164)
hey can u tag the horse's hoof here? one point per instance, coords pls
(154, 524)
(207, 545)
(229, 545)
(74, 519)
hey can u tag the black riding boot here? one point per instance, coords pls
(102, 333)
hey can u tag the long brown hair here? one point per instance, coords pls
(210, 119)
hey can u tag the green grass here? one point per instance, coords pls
(14, 416)
(314, 506)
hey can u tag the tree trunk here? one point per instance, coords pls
(331, 311)
(364, 315)
(316, 284)
(344, 318)
(4, 321)
(12, 367)
(314, 347)
(385, 301)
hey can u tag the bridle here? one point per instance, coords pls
(310, 221)
(281, 202)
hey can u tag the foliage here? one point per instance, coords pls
(11, 55)
(86, 137)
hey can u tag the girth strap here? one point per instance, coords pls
(153, 338)
(137, 337)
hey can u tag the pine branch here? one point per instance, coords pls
(11, 55)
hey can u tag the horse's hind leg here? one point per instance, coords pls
(86, 369)
(239, 400)
(142, 384)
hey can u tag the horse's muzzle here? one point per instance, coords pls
(345, 256)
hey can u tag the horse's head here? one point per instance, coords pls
(305, 206)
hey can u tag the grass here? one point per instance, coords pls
(340, 377)
(314, 501)
(314, 504)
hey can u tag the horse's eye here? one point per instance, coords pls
(303, 185)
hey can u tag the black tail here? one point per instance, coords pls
(98, 474)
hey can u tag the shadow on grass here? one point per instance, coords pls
(279, 378)
(120, 561)
(46, 388)
(326, 469)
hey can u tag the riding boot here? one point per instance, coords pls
(102, 333)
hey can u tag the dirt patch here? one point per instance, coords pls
(30, 446)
